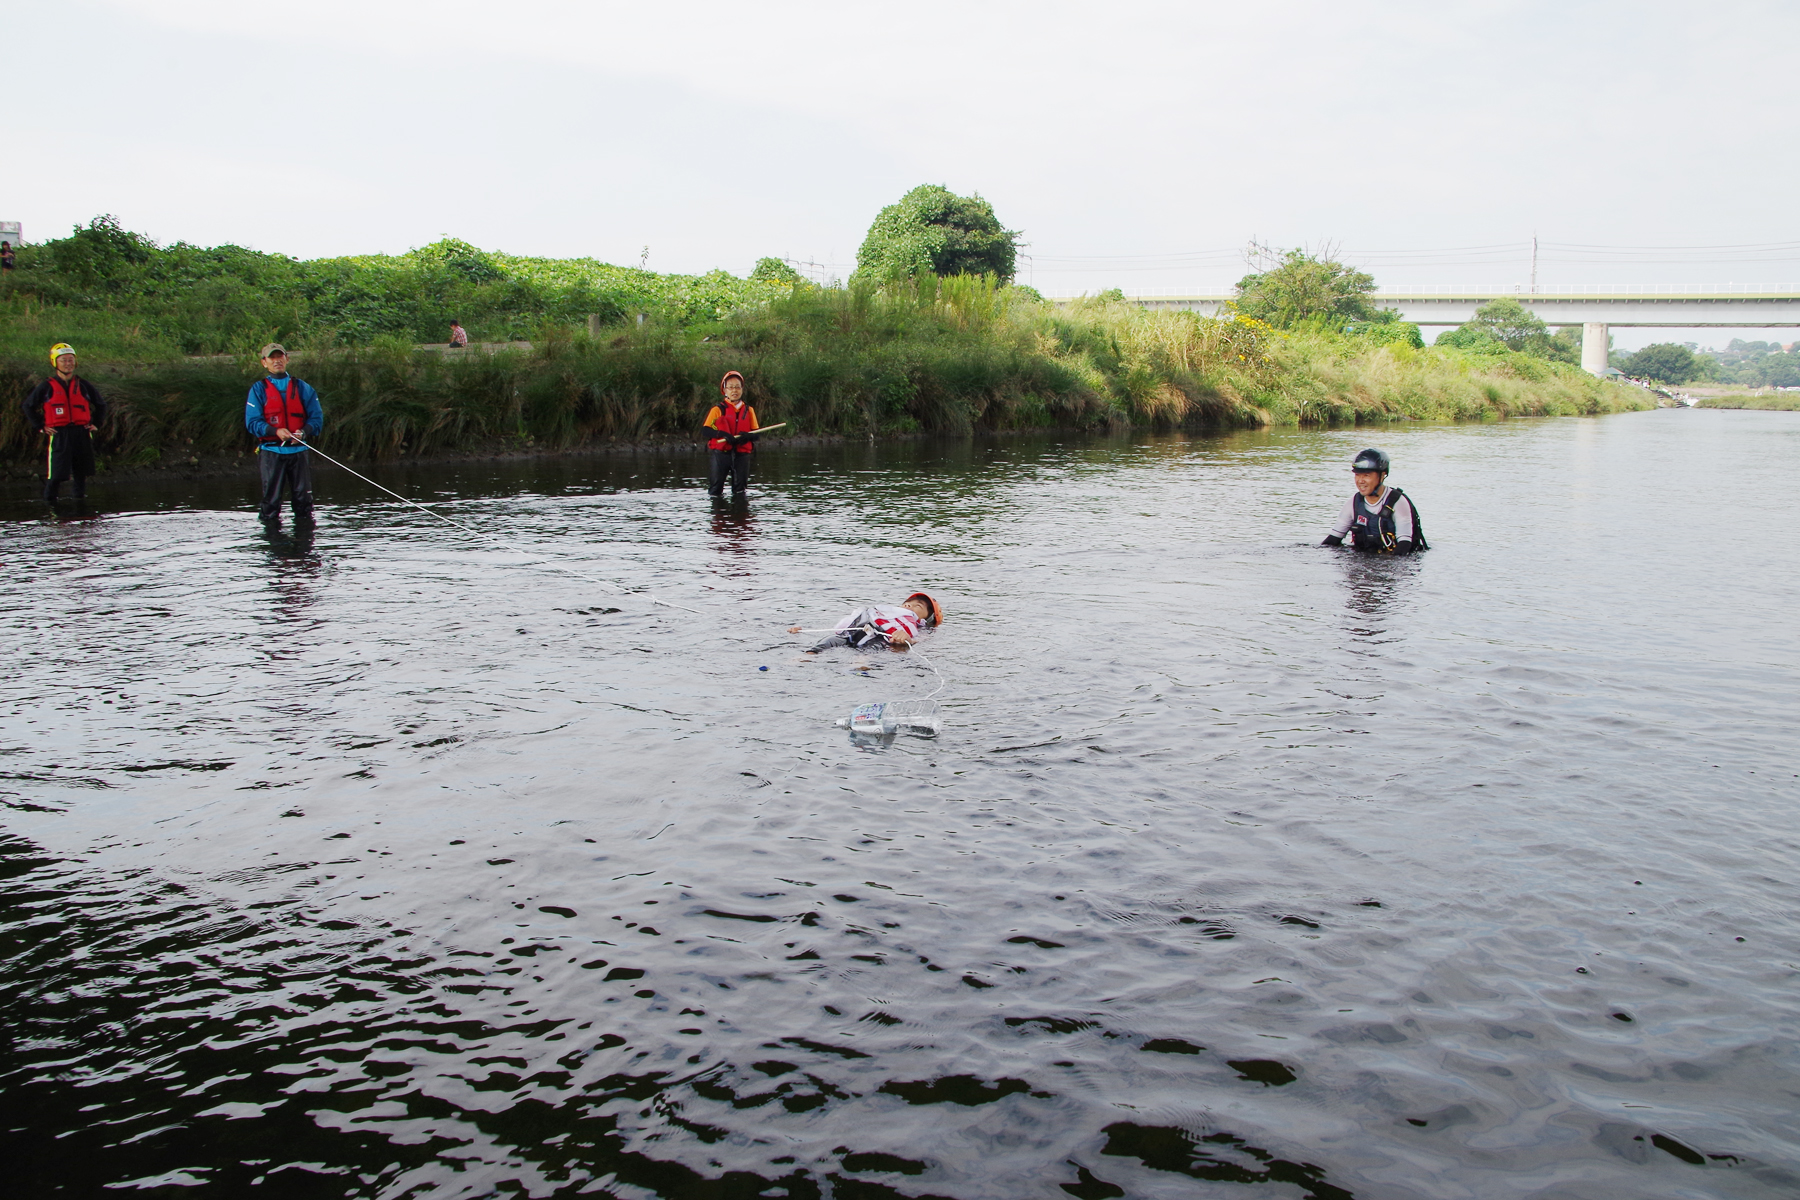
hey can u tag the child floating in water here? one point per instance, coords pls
(881, 624)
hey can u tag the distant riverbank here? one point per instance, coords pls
(1768, 401)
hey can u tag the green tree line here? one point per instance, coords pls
(1742, 363)
(1751, 363)
(121, 291)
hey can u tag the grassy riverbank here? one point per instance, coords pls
(1777, 402)
(953, 355)
(920, 357)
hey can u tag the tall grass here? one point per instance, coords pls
(949, 355)
(30, 325)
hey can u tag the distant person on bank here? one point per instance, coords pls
(1378, 519)
(69, 411)
(458, 335)
(6, 256)
(732, 424)
(282, 412)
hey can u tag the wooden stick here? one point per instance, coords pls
(766, 428)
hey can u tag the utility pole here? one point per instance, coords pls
(1534, 264)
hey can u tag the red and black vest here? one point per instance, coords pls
(283, 411)
(67, 405)
(734, 419)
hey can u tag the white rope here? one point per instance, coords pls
(514, 546)
(942, 682)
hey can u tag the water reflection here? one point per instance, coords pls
(734, 531)
(1377, 587)
(70, 511)
(294, 581)
(295, 545)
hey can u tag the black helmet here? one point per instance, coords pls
(1371, 460)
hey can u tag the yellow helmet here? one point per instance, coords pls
(58, 350)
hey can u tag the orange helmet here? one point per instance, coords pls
(936, 609)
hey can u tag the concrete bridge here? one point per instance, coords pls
(1595, 309)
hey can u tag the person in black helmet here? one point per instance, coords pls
(1378, 519)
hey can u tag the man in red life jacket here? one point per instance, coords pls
(282, 412)
(69, 411)
(732, 425)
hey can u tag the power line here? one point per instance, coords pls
(1548, 252)
(1730, 246)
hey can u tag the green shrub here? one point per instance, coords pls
(932, 230)
(1304, 291)
(185, 299)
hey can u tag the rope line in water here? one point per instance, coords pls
(487, 537)
(556, 566)
(942, 682)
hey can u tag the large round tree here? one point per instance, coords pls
(1302, 289)
(933, 229)
(1664, 362)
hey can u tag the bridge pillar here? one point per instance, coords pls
(1595, 343)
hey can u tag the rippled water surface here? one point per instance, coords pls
(404, 866)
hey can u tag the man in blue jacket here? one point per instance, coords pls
(282, 412)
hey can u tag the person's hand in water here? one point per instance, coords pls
(793, 629)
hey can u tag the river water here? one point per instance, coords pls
(401, 865)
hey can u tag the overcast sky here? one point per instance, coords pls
(1138, 145)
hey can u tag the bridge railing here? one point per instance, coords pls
(1597, 289)
(1519, 291)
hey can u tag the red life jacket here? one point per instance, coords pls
(283, 411)
(67, 405)
(734, 419)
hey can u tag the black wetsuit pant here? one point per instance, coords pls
(292, 472)
(70, 456)
(861, 634)
(727, 462)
